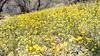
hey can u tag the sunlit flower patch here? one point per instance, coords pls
(72, 30)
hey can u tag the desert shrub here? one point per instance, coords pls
(72, 30)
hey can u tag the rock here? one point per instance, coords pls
(2, 52)
(27, 5)
(14, 7)
(11, 7)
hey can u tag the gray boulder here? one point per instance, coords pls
(11, 8)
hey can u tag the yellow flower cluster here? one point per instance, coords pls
(62, 31)
(36, 48)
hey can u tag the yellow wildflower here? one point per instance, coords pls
(92, 49)
(47, 38)
(30, 48)
(39, 48)
(81, 53)
(79, 38)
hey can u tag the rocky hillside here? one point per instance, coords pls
(60, 31)
(13, 7)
